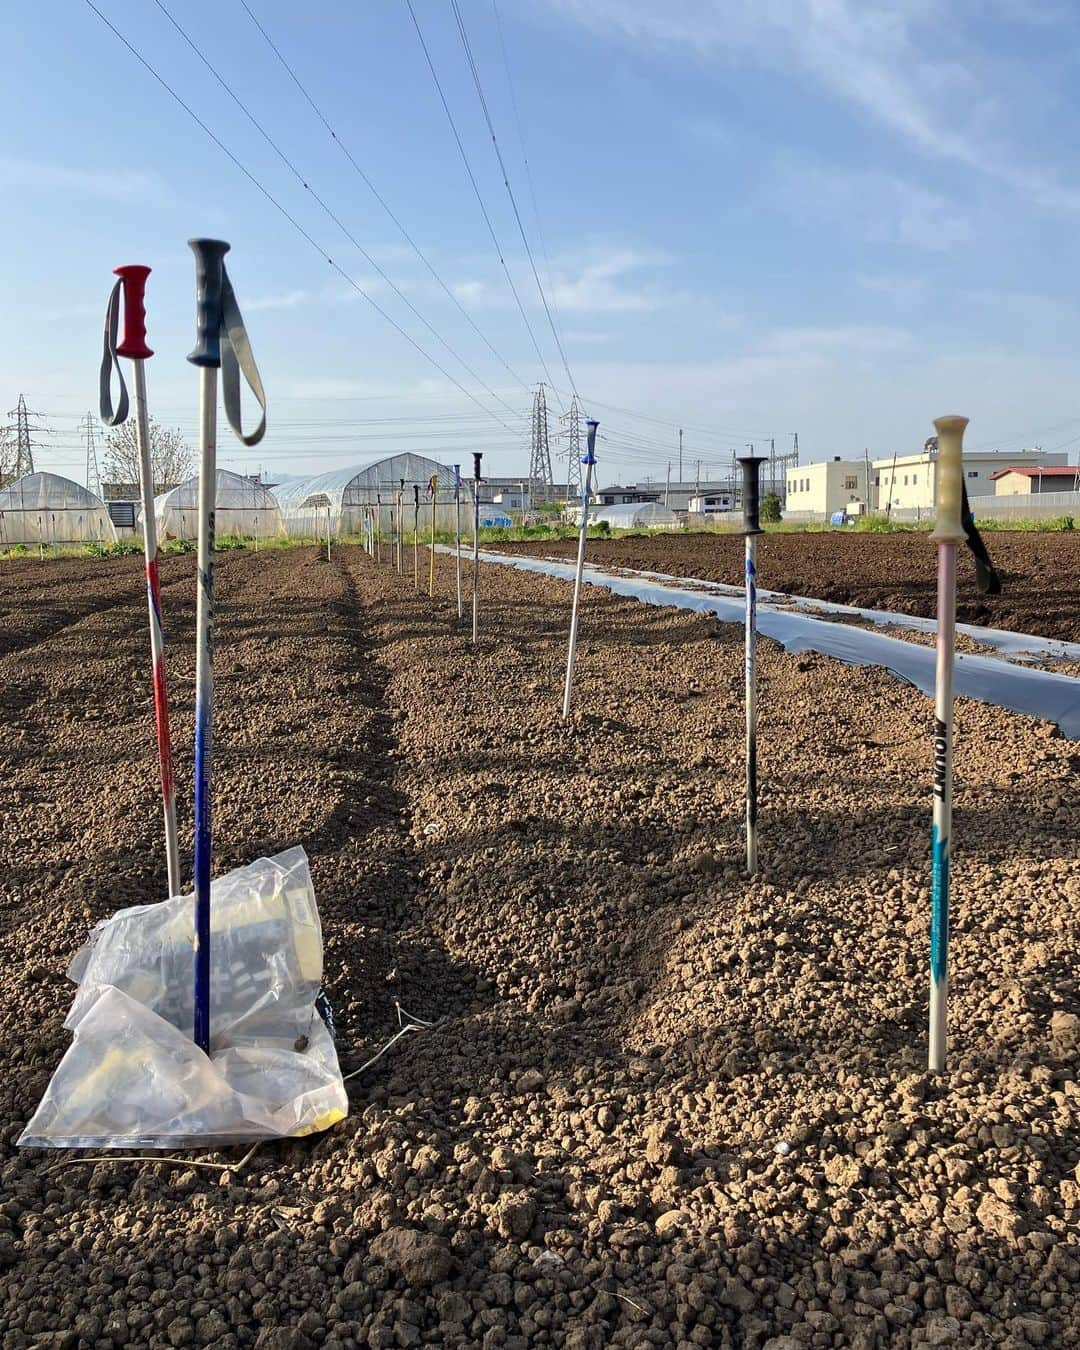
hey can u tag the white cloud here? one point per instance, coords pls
(878, 207)
(113, 184)
(604, 279)
(287, 300)
(882, 56)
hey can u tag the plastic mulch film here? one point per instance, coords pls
(133, 1075)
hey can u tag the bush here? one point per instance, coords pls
(770, 508)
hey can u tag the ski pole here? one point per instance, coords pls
(416, 538)
(132, 344)
(220, 344)
(378, 528)
(431, 559)
(751, 489)
(948, 532)
(327, 534)
(589, 461)
(457, 533)
(477, 456)
(401, 529)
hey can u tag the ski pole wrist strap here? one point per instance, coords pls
(238, 359)
(986, 577)
(110, 415)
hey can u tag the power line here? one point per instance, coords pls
(290, 218)
(380, 198)
(509, 190)
(476, 190)
(333, 216)
(525, 156)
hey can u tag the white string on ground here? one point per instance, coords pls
(404, 1031)
(150, 1157)
(412, 1017)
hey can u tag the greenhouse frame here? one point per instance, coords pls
(354, 489)
(46, 509)
(243, 507)
(637, 516)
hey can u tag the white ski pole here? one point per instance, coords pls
(948, 532)
(751, 489)
(589, 461)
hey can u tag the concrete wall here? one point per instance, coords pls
(1026, 506)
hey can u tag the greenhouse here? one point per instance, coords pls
(243, 508)
(637, 516)
(348, 493)
(43, 508)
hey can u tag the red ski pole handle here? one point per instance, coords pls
(209, 286)
(133, 338)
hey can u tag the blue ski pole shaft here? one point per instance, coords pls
(947, 533)
(209, 275)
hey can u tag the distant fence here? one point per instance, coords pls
(1026, 506)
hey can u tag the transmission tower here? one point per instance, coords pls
(20, 458)
(540, 479)
(574, 479)
(93, 476)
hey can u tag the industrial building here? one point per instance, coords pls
(907, 483)
(1017, 480)
(831, 486)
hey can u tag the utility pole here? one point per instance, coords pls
(680, 457)
(697, 479)
(93, 476)
(573, 451)
(540, 478)
(667, 489)
(866, 462)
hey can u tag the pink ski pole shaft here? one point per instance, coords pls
(132, 344)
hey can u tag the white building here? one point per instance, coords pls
(818, 491)
(909, 482)
(715, 502)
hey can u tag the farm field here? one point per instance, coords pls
(661, 1105)
(1040, 571)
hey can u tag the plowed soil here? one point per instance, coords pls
(661, 1104)
(1040, 572)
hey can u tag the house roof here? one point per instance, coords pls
(1034, 471)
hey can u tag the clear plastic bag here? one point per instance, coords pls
(133, 1075)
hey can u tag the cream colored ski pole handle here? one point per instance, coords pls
(949, 526)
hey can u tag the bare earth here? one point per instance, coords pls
(662, 1105)
(1040, 572)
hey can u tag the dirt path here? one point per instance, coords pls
(662, 1105)
(1040, 572)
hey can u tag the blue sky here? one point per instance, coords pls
(821, 216)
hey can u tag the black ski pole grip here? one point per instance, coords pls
(477, 456)
(209, 284)
(590, 453)
(416, 494)
(402, 481)
(751, 493)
